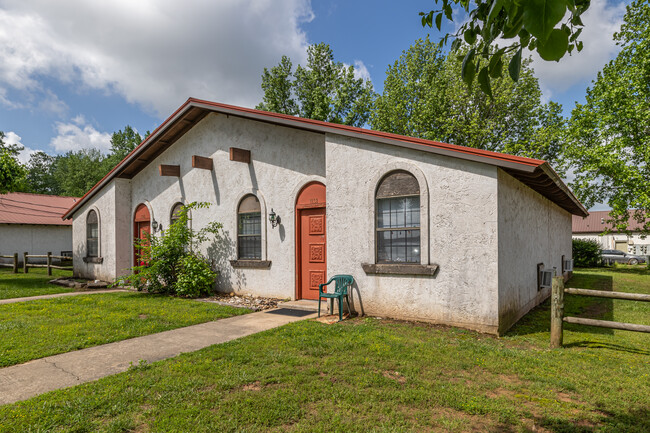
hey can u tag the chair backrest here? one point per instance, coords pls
(342, 283)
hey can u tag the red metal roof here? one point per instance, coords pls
(540, 176)
(41, 209)
(596, 222)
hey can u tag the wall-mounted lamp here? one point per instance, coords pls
(274, 219)
(155, 225)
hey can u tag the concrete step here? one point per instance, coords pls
(305, 304)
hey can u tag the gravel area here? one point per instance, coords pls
(254, 303)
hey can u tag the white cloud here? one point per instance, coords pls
(79, 135)
(360, 71)
(154, 53)
(13, 138)
(601, 20)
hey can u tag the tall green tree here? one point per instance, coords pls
(609, 146)
(550, 27)
(12, 172)
(425, 97)
(77, 172)
(40, 175)
(321, 90)
(122, 143)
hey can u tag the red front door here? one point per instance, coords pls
(312, 241)
(141, 230)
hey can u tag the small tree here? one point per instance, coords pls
(172, 263)
(586, 253)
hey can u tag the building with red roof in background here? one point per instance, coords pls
(32, 223)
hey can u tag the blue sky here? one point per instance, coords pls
(74, 71)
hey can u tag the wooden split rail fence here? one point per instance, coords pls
(557, 310)
(26, 265)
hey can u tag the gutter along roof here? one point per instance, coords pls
(535, 173)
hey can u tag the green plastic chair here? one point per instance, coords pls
(341, 288)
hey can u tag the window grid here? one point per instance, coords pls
(92, 235)
(398, 230)
(249, 236)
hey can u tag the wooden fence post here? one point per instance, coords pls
(15, 263)
(25, 262)
(557, 311)
(49, 263)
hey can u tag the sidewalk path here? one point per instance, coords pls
(59, 295)
(20, 382)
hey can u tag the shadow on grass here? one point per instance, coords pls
(538, 320)
(637, 420)
(610, 346)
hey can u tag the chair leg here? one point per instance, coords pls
(347, 299)
(340, 299)
(319, 306)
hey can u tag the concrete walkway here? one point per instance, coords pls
(20, 382)
(59, 295)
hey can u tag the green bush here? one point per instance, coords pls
(586, 253)
(195, 277)
(171, 262)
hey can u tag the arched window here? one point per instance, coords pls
(174, 215)
(249, 229)
(92, 234)
(398, 219)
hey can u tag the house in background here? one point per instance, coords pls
(32, 223)
(429, 231)
(593, 226)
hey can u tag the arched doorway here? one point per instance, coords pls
(311, 241)
(141, 229)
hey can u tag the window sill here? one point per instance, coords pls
(251, 264)
(93, 260)
(399, 269)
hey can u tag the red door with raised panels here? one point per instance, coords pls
(141, 230)
(311, 240)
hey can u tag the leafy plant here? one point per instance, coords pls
(171, 263)
(586, 253)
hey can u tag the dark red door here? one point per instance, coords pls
(311, 240)
(141, 230)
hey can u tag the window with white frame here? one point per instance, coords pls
(92, 234)
(249, 229)
(397, 226)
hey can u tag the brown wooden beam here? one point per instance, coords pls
(169, 170)
(240, 155)
(202, 162)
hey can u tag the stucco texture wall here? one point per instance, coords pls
(112, 205)
(34, 239)
(532, 230)
(283, 160)
(461, 233)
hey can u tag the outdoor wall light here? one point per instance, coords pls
(274, 219)
(154, 226)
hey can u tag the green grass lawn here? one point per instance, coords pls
(367, 374)
(39, 328)
(33, 283)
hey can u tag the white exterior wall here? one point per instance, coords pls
(608, 241)
(34, 239)
(112, 206)
(283, 160)
(462, 234)
(532, 230)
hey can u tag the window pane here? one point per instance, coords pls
(250, 247)
(413, 246)
(383, 213)
(93, 249)
(383, 247)
(397, 212)
(412, 211)
(250, 224)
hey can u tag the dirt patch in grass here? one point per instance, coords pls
(142, 316)
(394, 375)
(254, 386)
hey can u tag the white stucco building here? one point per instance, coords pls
(430, 231)
(596, 226)
(32, 223)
